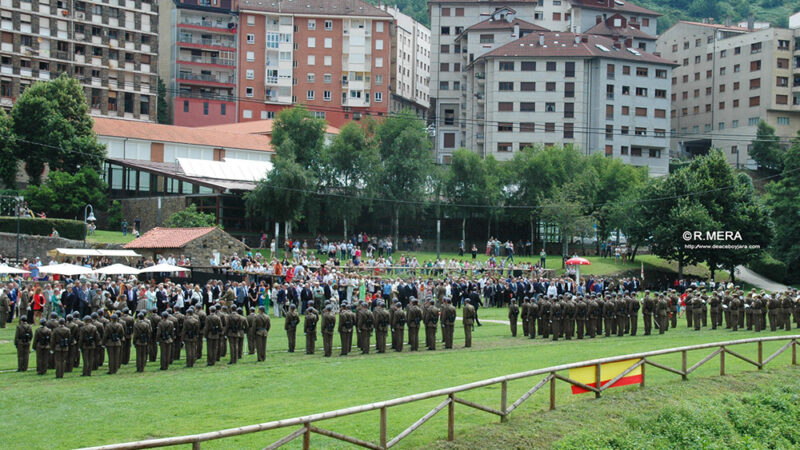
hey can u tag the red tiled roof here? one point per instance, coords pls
(613, 5)
(605, 29)
(253, 127)
(563, 45)
(160, 237)
(183, 135)
(315, 7)
(490, 24)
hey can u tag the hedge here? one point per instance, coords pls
(767, 266)
(69, 229)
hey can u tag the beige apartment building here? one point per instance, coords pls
(726, 80)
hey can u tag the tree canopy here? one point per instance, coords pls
(190, 218)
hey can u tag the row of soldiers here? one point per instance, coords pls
(60, 343)
(567, 316)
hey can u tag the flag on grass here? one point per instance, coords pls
(608, 372)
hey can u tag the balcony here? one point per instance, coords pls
(44, 75)
(218, 25)
(196, 78)
(229, 45)
(189, 59)
(479, 136)
(480, 76)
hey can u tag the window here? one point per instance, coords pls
(569, 110)
(782, 81)
(735, 85)
(312, 24)
(722, 88)
(660, 93)
(737, 68)
(328, 25)
(506, 66)
(624, 130)
(527, 127)
(505, 146)
(755, 65)
(310, 94)
(556, 16)
(445, 31)
(753, 121)
(737, 51)
(312, 42)
(755, 100)
(444, 67)
(379, 97)
(444, 85)
(449, 140)
(527, 86)
(781, 99)
(504, 127)
(655, 153)
(721, 126)
(550, 127)
(327, 60)
(723, 53)
(310, 77)
(527, 106)
(505, 106)
(783, 63)
(641, 71)
(736, 103)
(755, 83)
(205, 108)
(610, 71)
(609, 111)
(550, 107)
(379, 44)
(550, 86)
(378, 80)
(459, 12)
(569, 90)
(528, 66)
(186, 106)
(609, 131)
(251, 20)
(251, 38)
(569, 69)
(721, 105)
(379, 27)
(223, 109)
(487, 39)
(641, 112)
(568, 130)
(444, 48)
(250, 74)
(734, 124)
(445, 12)
(641, 92)
(755, 47)
(378, 62)
(640, 131)
(311, 60)
(550, 66)
(661, 73)
(248, 92)
(626, 90)
(625, 110)
(660, 113)
(783, 121)
(734, 149)
(251, 56)
(783, 44)
(505, 86)
(626, 70)
(722, 70)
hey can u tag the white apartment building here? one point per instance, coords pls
(411, 63)
(727, 79)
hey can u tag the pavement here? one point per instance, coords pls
(748, 276)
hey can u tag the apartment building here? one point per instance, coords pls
(450, 19)
(556, 88)
(197, 60)
(334, 56)
(411, 63)
(110, 47)
(727, 79)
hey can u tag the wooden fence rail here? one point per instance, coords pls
(308, 424)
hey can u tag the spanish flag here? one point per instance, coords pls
(608, 372)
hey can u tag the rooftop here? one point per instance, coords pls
(607, 28)
(183, 135)
(228, 175)
(490, 24)
(168, 237)
(315, 7)
(717, 26)
(613, 5)
(263, 127)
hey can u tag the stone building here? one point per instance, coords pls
(200, 244)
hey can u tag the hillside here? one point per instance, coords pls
(775, 11)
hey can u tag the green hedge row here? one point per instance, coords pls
(767, 266)
(70, 229)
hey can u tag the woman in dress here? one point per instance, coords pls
(38, 304)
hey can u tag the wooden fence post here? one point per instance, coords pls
(383, 427)
(722, 361)
(504, 401)
(644, 364)
(552, 391)
(794, 352)
(760, 355)
(597, 379)
(451, 418)
(196, 445)
(683, 364)
(307, 436)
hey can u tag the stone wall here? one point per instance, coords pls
(201, 250)
(31, 246)
(146, 209)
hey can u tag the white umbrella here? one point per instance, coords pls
(164, 268)
(65, 269)
(117, 269)
(5, 269)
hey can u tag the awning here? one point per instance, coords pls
(93, 252)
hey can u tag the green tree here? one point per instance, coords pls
(766, 149)
(564, 209)
(405, 172)
(298, 124)
(8, 169)
(115, 215)
(783, 201)
(190, 217)
(52, 126)
(162, 107)
(64, 195)
(471, 183)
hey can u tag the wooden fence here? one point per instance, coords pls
(308, 424)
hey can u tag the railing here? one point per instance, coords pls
(207, 60)
(307, 424)
(209, 42)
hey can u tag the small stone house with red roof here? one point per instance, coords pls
(198, 244)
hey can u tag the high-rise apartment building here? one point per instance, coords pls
(197, 60)
(411, 63)
(727, 79)
(334, 56)
(109, 46)
(451, 18)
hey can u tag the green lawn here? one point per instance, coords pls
(109, 237)
(132, 406)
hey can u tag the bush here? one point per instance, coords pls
(769, 267)
(70, 229)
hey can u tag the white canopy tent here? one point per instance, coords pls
(65, 269)
(117, 269)
(164, 268)
(93, 252)
(8, 270)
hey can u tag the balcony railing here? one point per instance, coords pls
(205, 77)
(207, 60)
(209, 42)
(230, 26)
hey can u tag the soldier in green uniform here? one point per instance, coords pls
(165, 332)
(22, 341)
(310, 327)
(327, 327)
(212, 332)
(448, 319)
(381, 327)
(234, 333)
(556, 312)
(141, 339)
(525, 310)
(581, 310)
(689, 308)
(224, 317)
(633, 314)
(593, 312)
(191, 334)
(786, 312)
(41, 343)
(88, 339)
(545, 304)
(513, 312)
(74, 325)
(5, 308)
(661, 314)
(608, 316)
(347, 320)
(568, 322)
(735, 306)
(673, 308)
(59, 343)
(177, 331)
(201, 317)
(534, 315)
(774, 307)
(753, 307)
(716, 311)
(251, 331)
(261, 326)
(152, 345)
(126, 320)
(697, 311)
(114, 334)
(431, 319)
(414, 319)
(469, 320)
(290, 325)
(100, 350)
(398, 323)
(622, 315)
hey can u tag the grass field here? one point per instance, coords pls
(76, 411)
(109, 237)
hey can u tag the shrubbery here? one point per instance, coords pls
(70, 229)
(767, 266)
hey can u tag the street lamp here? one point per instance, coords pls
(88, 216)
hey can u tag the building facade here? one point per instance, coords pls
(197, 60)
(450, 19)
(411, 64)
(548, 88)
(110, 47)
(333, 56)
(727, 79)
